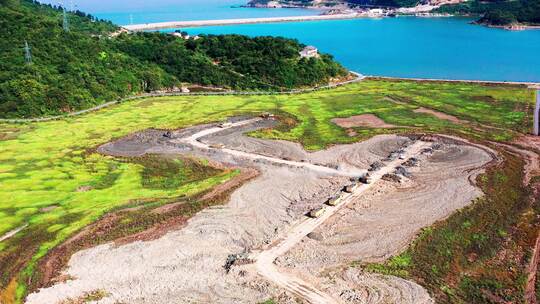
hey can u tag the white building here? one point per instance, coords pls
(185, 36)
(375, 13)
(309, 52)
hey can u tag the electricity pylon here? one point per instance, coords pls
(65, 22)
(27, 53)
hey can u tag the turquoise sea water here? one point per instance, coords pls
(144, 11)
(448, 48)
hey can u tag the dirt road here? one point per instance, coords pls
(195, 140)
(265, 260)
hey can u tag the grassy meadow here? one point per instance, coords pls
(53, 183)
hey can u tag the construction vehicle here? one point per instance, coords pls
(266, 115)
(167, 134)
(366, 179)
(317, 212)
(350, 188)
(333, 201)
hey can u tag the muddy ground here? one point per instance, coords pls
(186, 266)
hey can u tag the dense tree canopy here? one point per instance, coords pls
(496, 12)
(85, 66)
(382, 3)
(499, 12)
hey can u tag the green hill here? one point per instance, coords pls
(331, 3)
(85, 66)
(498, 12)
(489, 12)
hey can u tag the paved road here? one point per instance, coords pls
(265, 260)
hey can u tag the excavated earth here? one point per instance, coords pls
(187, 265)
(384, 222)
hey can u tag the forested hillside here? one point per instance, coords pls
(490, 12)
(499, 12)
(81, 66)
(330, 3)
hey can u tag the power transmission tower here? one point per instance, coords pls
(27, 53)
(65, 23)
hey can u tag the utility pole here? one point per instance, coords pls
(27, 53)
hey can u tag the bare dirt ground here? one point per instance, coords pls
(294, 283)
(531, 154)
(386, 219)
(187, 265)
(439, 115)
(364, 120)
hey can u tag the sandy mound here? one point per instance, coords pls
(364, 120)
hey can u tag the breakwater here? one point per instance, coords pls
(199, 23)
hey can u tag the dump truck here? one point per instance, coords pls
(366, 179)
(333, 201)
(317, 212)
(350, 188)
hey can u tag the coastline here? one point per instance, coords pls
(512, 27)
(530, 85)
(423, 10)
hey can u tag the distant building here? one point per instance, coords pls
(376, 12)
(184, 35)
(309, 52)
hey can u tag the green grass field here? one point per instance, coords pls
(46, 165)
